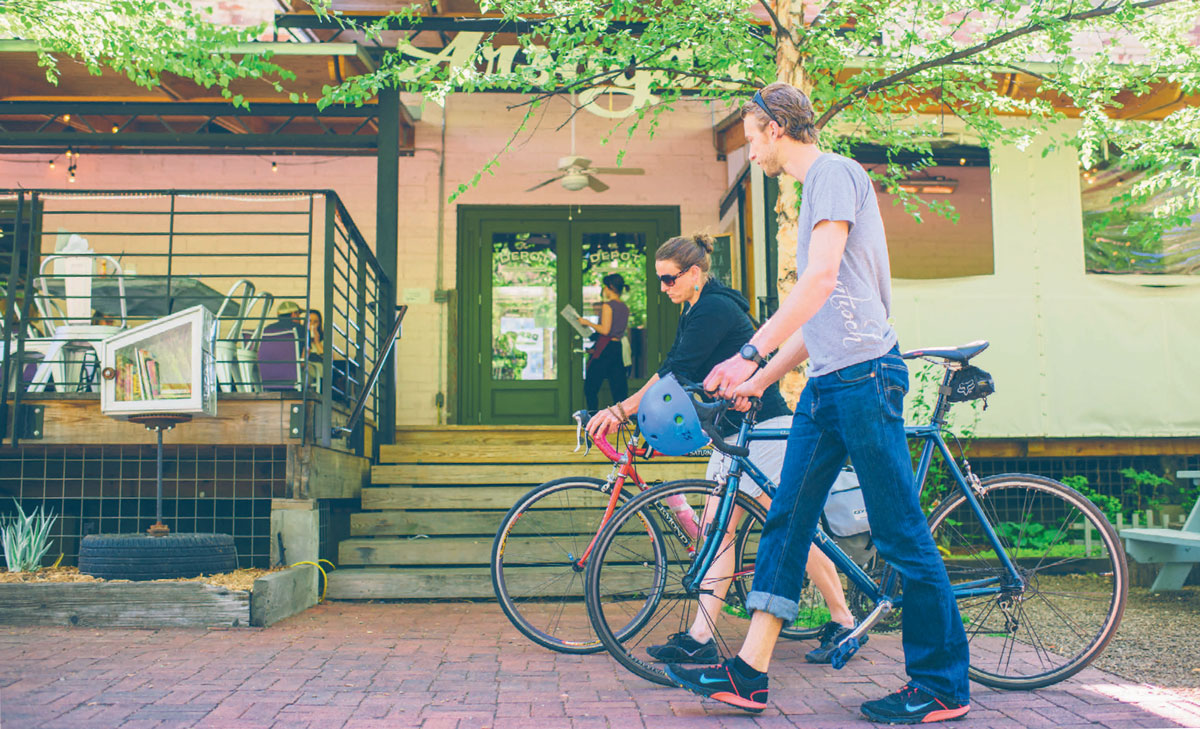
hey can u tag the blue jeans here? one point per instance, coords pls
(858, 411)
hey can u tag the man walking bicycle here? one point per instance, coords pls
(837, 318)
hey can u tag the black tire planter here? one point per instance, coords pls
(143, 557)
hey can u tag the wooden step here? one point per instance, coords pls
(467, 452)
(471, 550)
(521, 473)
(412, 522)
(485, 435)
(445, 583)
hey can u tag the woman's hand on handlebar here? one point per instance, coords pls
(728, 375)
(603, 423)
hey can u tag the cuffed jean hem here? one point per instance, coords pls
(964, 700)
(781, 607)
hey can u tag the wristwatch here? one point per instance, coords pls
(750, 352)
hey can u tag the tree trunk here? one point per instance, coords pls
(789, 67)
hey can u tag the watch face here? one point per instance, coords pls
(749, 352)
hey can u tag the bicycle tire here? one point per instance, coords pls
(1073, 600)
(534, 563)
(621, 580)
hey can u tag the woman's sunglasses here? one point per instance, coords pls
(668, 279)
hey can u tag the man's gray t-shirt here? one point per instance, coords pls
(852, 326)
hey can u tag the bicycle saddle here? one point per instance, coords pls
(962, 354)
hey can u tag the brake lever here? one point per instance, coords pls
(582, 440)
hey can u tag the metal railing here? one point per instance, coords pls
(78, 265)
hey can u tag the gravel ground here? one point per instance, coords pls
(1158, 641)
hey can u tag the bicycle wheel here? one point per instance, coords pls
(629, 585)
(1073, 567)
(537, 568)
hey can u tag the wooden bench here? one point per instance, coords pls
(1176, 550)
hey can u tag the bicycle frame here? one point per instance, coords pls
(880, 594)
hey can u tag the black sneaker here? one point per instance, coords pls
(723, 683)
(683, 648)
(831, 634)
(911, 705)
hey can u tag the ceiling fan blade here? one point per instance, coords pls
(547, 182)
(618, 170)
(596, 184)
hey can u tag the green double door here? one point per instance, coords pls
(520, 361)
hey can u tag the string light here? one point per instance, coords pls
(66, 117)
(51, 164)
(274, 167)
(115, 128)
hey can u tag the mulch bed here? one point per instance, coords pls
(242, 579)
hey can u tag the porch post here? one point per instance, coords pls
(387, 180)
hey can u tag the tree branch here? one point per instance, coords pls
(951, 58)
(779, 29)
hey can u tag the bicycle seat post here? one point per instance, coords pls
(942, 408)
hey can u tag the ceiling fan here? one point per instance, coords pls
(577, 172)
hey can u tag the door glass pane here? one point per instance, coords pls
(623, 253)
(524, 306)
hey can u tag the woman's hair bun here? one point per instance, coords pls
(704, 241)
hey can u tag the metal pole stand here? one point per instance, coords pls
(159, 422)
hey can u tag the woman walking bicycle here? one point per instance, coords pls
(714, 326)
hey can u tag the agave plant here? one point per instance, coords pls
(25, 538)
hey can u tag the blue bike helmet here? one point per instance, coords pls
(668, 420)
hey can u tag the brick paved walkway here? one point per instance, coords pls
(461, 666)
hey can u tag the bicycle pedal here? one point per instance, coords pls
(843, 653)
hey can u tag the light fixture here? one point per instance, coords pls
(66, 117)
(51, 164)
(274, 167)
(936, 185)
(115, 129)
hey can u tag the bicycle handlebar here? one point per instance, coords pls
(585, 441)
(710, 414)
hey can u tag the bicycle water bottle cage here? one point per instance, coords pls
(969, 383)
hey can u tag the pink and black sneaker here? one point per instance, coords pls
(911, 705)
(723, 683)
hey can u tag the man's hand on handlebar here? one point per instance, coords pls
(726, 376)
(743, 393)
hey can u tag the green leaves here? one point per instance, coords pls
(24, 538)
(142, 39)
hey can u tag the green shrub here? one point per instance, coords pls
(25, 538)
(1110, 505)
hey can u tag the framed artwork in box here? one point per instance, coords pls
(165, 366)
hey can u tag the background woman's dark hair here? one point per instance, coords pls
(320, 324)
(687, 251)
(616, 282)
(791, 108)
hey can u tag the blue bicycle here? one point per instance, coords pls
(1038, 571)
